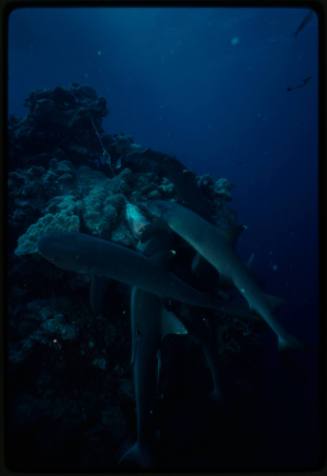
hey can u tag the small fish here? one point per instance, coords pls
(303, 83)
(306, 20)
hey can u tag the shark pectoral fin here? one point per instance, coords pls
(170, 324)
(209, 351)
(274, 301)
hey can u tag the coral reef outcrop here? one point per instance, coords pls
(69, 368)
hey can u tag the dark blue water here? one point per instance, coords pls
(209, 86)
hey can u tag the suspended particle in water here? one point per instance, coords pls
(235, 41)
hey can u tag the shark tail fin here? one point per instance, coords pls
(138, 456)
(274, 301)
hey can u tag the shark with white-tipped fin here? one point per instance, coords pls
(86, 254)
(212, 244)
(150, 323)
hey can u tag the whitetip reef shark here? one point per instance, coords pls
(212, 244)
(150, 320)
(82, 253)
(150, 323)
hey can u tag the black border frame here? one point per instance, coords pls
(320, 8)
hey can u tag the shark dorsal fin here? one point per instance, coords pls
(170, 324)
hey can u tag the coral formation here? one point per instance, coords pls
(57, 181)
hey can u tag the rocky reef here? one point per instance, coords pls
(70, 393)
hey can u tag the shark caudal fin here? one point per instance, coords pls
(138, 456)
